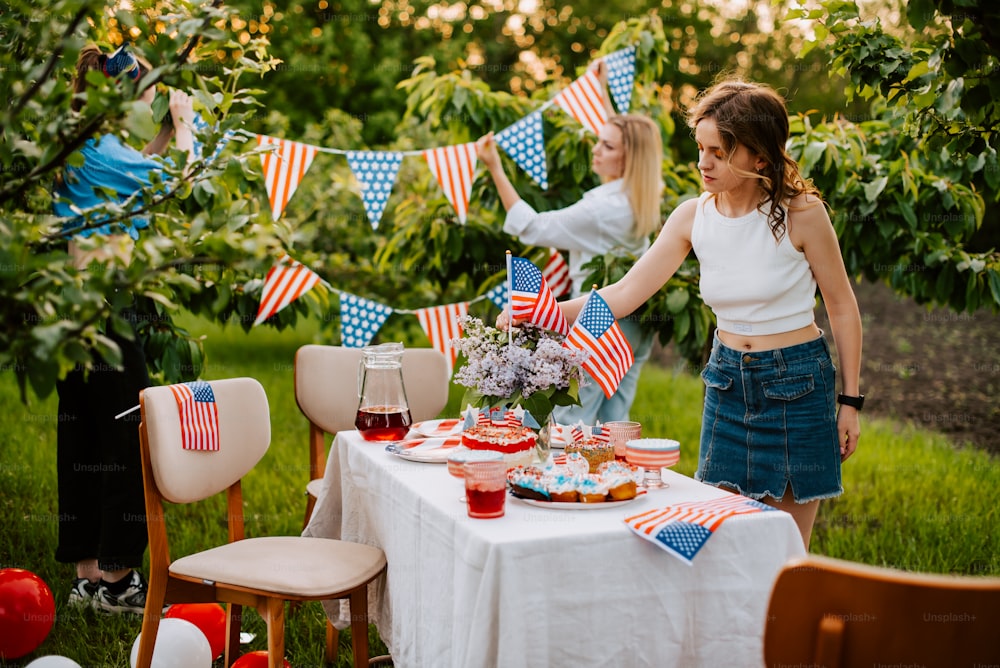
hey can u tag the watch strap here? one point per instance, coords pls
(857, 402)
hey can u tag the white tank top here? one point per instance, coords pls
(754, 284)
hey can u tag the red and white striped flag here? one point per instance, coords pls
(597, 332)
(283, 167)
(556, 274)
(285, 282)
(199, 415)
(530, 297)
(441, 324)
(584, 101)
(453, 167)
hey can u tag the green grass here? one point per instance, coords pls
(913, 500)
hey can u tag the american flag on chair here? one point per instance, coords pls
(597, 332)
(683, 528)
(199, 415)
(530, 297)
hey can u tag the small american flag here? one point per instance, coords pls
(199, 415)
(577, 433)
(531, 298)
(556, 274)
(597, 332)
(483, 417)
(684, 528)
(600, 434)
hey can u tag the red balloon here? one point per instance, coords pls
(256, 659)
(209, 617)
(27, 612)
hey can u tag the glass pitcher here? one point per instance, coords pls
(383, 412)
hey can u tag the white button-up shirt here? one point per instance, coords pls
(602, 220)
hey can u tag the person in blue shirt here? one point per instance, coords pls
(102, 519)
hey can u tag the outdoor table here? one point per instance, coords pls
(545, 587)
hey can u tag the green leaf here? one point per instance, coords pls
(874, 188)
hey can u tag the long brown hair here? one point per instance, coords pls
(755, 116)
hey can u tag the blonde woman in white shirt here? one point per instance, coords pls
(621, 214)
(771, 427)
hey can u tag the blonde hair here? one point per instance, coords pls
(755, 116)
(643, 175)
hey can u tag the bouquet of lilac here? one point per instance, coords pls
(530, 368)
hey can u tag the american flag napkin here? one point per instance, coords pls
(199, 415)
(683, 528)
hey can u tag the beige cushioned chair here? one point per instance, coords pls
(261, 573)
(326, 391)
(834, 613)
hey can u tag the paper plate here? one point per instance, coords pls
(446, 427)
(426, 450)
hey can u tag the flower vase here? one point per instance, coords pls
(543, 446)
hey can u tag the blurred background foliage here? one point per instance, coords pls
(894, 118)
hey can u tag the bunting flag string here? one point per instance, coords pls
(286, 162)
(525, 144)
(621, 77)
(453, 167)
(442, 324)
(285, 282)
(584, 101)
(376, 170)
(556, 274)
(360, 319)
(283, 168)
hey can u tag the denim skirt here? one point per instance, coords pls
(770, 422)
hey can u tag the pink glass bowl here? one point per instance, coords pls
(653, 452)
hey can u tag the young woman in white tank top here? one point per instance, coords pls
(765, 242)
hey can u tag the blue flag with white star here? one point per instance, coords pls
(523, 141)
(360, 320)
(376, 170)
(498, 295)
(621, 77)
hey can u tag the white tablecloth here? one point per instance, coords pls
(542, 587)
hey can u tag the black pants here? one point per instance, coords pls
(102, 513)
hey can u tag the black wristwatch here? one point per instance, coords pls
(846, 399)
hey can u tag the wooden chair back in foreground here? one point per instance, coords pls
(834, 613)
(326, 392)
(261, 573)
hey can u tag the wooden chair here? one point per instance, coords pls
(832, 613)
(261, 573)
(326, 392)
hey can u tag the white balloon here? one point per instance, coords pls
(179, 644)
(53, 661)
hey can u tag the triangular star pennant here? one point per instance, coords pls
(376, 170)
(621, 77)
(453, 167)
(285, 282)
(584, 101)
(360, 320)
(283, 169)
(441, 324)
(523, 141)
(498, 295)
(556, 273)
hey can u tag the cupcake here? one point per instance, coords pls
(592, 488)
(594, 451)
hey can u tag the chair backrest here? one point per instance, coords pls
(185, 476)
(326, 386)
(829, 612)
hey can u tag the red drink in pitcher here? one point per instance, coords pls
(383, 423)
